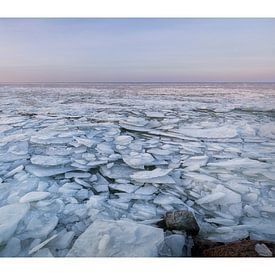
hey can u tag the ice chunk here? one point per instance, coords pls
(117, 171)
(144, 176)
(263, 250)
(14, 171)
(39, 246)
(231, 197)
(105, 148)
(155, 114)
(128, 188)
(82, 183)
(63, 240)
(117, 203)
(240, 163)
(217, 132)
(251, 211)
(93, 164)
(143, 211)
(138, 160)
(250, 197)
(44, 252)
(267, 130)
(34, 196)
(12, 248)
(160, 152)
(173, 246)
(269, 175)
(117, 239)
(82, 194)
(69, 175)
(8, 157)
(146, 190)
(221, 221)
(211, 198)
(38, 225)
(260, 225)
(200, 177)
(167, 199)
(40, 171)
(84, 141)
(229, 236)
(49, 160)
(135, 121)
(194, 163)
(123, 140)
(10, 216)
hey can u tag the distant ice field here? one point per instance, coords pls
(73, 155)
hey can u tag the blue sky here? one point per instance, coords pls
(137, 50)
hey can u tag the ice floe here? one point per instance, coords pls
(118, 239)
(74, 176)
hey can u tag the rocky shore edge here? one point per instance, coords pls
(185, 221)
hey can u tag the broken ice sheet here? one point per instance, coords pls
(129, 153)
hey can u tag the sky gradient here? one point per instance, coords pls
(107, 50)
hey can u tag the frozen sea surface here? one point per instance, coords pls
(79, 158)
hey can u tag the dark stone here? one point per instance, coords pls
(244, 248)
(161, 224)
(182, 220)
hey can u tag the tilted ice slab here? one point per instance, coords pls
(145, 175)
(194, 163)
(41, 171)
(49, 160)
(120, 238)
(240, 163)
(34, 196)
(200, 177)
(218, 132)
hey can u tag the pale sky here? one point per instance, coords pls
(76, 50)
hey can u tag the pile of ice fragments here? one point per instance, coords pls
(83, 174)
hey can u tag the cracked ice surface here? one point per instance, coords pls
(75, 155)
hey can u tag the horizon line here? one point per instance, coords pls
(60, 82)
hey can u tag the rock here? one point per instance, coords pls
(182, 220)
(244, 248)
(120, 238)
